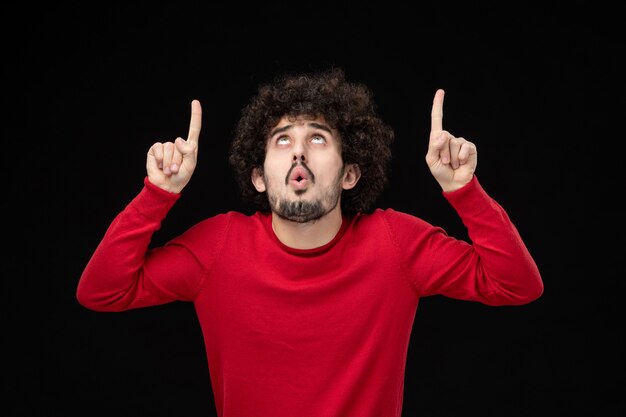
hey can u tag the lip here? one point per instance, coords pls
(299, 177)
(299, 185)
(298, 172)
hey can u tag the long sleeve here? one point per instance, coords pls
(496, 268)
(125, 273)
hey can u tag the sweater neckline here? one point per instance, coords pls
(266, 218)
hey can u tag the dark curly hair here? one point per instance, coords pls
(345, 106)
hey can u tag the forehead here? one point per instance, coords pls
(301, 120)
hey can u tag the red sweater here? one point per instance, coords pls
(308, 333)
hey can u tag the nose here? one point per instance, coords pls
(299, 152)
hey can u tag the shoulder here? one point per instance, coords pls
(217, 228)
(389, 215)
(392, 220)
(231, 219)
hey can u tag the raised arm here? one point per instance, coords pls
(123, 272)
(496, 268)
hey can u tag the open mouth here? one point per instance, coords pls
(299, 183)
(299, 174)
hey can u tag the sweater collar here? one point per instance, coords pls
(266, 218)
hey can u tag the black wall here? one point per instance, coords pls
(88, 89)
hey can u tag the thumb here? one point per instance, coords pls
(437, 149)
(188, 149)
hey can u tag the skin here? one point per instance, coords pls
(170, 165)
(313, 142)
(452, 162)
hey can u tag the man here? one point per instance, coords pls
(307, 305)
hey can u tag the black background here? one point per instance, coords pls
(89, 87)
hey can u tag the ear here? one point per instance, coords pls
(351, 176)
(257, 179)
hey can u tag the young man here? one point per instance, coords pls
(307, 305)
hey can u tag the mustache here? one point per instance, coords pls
(303, 165)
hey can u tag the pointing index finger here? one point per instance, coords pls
(436, 114)
(196, 122)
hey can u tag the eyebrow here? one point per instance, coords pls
(311, 124)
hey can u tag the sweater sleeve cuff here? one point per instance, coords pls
(471, 199)
(154, 202)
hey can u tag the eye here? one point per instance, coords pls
(319, 139)
(282, 140)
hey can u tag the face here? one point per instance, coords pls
(303, 172)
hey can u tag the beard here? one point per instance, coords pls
(302, 211)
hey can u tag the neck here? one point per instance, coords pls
(308, 235)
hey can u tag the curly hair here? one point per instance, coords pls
(347, 107)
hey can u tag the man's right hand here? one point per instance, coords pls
(171, 164)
